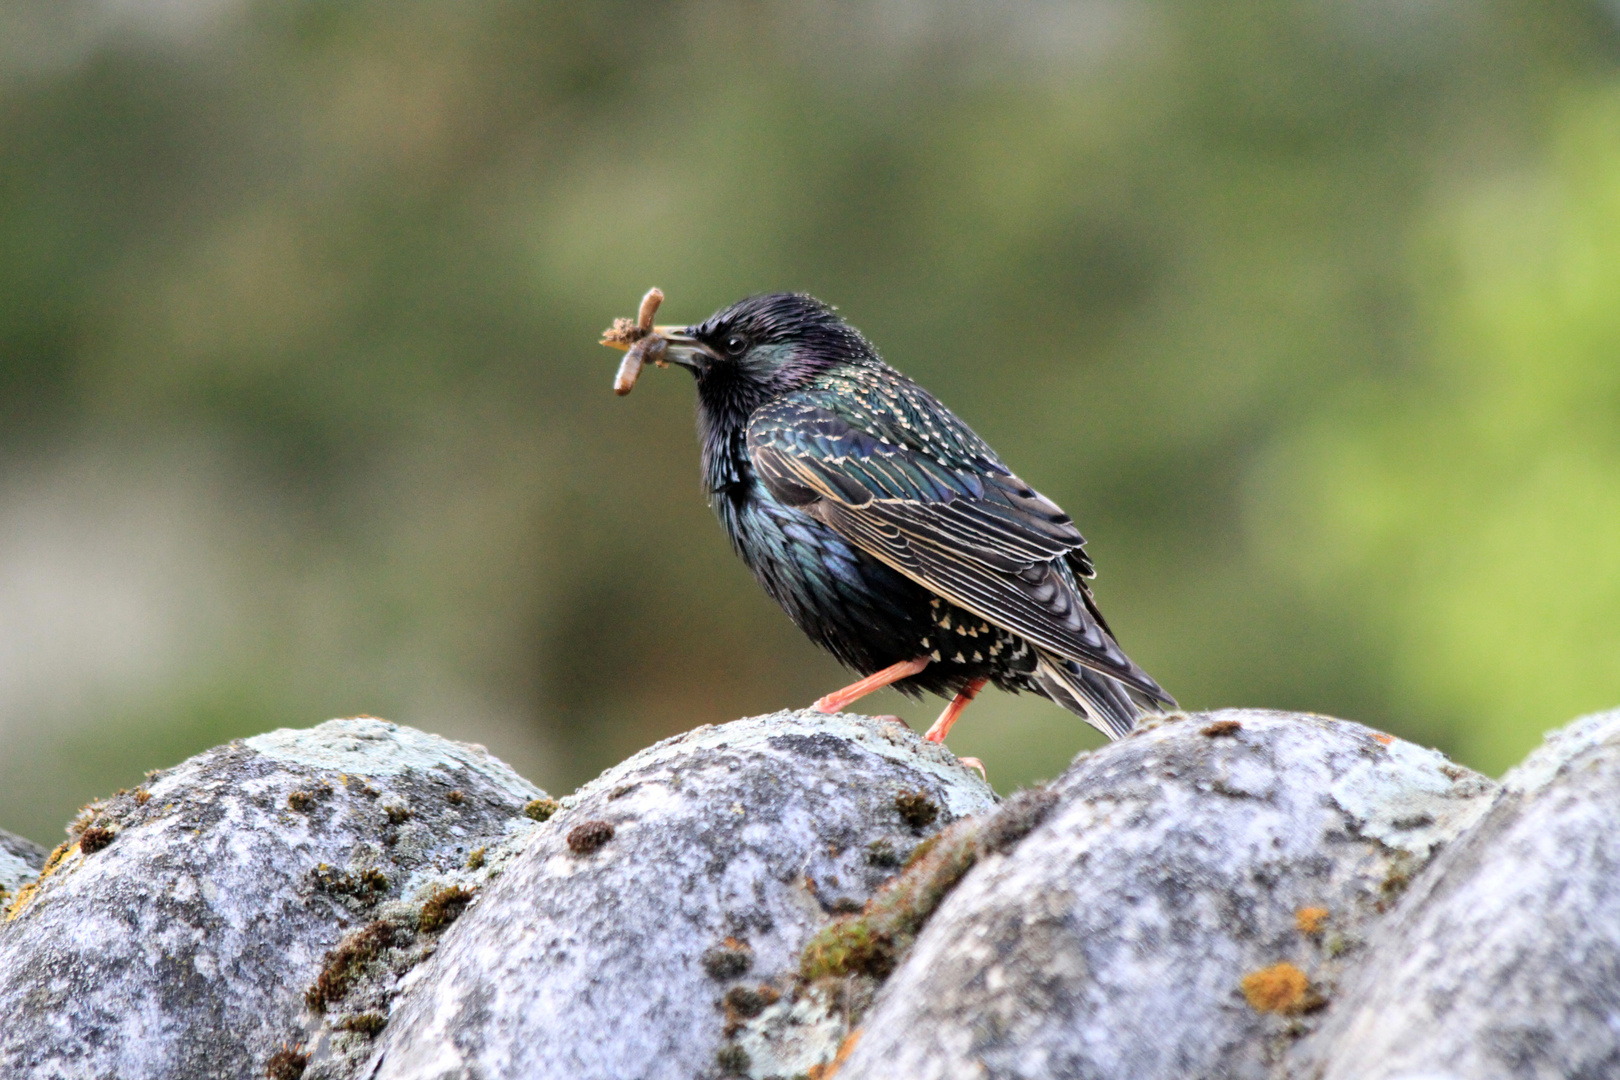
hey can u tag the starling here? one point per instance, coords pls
(889, 532)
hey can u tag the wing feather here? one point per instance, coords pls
(963, 526)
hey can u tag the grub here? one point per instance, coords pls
(638, 339)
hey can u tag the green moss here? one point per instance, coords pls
(346, 963)
(920, 852)
(916, 808)
(872, 942)
(95, 838)
(541, 809)
(849, 947)
(733, 1060)
(366, 1023)
(882, 853)
(366, 885)
(729, 959)
(288, 1063)
(443, 908)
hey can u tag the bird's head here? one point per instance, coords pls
(763, 346)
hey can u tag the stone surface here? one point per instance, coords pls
(177, 932)
(20, 863)
(1190, 875)
(1236, 895)
(1503, 962)
(730, 847)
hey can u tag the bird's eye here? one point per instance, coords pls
(736, 345)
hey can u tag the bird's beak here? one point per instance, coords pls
(684, 349)
(680, 347)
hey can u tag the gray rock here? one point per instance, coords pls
(1504, 960)
(1160, 922)
(610, 957)
(20, 862)
(177, 933)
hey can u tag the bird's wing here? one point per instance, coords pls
(929, 498)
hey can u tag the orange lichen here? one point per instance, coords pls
(1382, 739)
(1309, 920)
(827, 1070)
(1280, 988)
(19, 901)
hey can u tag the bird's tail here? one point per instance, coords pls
(1105, 703)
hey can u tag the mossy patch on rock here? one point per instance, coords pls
(589, 836)
(443, 908)
(345, 964)
(288, 1063)
(916, 808)
(871, 942)
(729, 959)
(541, 809)
(94, 838)
(366, 1023)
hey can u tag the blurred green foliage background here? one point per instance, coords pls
(1308, 312)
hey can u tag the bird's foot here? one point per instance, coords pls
(942, 726)
(975, 763)
(835, 701)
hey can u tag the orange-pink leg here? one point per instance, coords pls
(942, 726)
(835, 701)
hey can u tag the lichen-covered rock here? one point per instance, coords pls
(1182, 910)
(180, 930)
(20, 862)
(670, 898)
(1504, 960)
